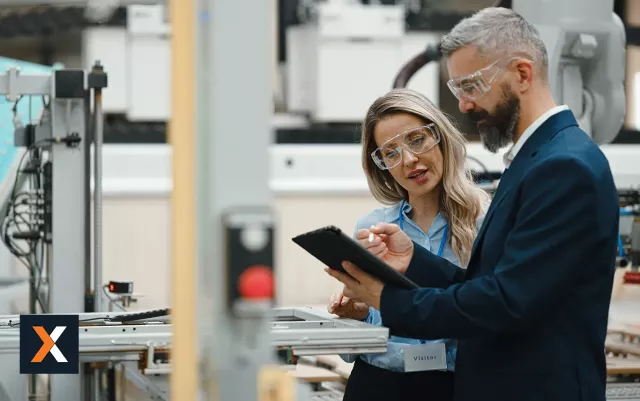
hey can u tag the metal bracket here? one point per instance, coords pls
(144, 383)
(12, 84)
(25, 136)
(153, 365)
(149, 363)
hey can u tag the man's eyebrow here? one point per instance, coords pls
(468, 75)
(460, 77)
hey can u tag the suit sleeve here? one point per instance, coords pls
(553, 227)
(429, 270)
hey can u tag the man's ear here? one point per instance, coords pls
(524, 73)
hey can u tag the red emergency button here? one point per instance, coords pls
(632, 278)
(256, 282)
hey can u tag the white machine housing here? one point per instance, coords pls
(337, 64)
(139, 60)
(347, 56)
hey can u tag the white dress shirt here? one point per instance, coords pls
(513, 151)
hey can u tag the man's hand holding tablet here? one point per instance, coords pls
(389, 243)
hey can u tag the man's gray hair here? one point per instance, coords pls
(498, 32)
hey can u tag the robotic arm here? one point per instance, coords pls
(586, 46)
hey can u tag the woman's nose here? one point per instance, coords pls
(408, 157)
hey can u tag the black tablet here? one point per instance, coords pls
(331, 246)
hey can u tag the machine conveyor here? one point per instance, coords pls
(304, 330)
(143, 345)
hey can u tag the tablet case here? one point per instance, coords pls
(331, 246)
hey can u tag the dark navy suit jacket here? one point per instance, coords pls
(531, 309)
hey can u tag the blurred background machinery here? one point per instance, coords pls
(327, 65)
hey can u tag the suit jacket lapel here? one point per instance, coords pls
(504, 187)
(520, 164)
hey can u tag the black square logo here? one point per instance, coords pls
(49, 344)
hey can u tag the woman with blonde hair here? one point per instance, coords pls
(415, 162)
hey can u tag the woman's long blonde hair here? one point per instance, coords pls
(462, 201)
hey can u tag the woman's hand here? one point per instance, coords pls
(346, 307)
(389, 243)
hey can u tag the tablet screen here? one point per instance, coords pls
(332, 247)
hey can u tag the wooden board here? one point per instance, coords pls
(314, 374)
(623, 366)
(337, 364)
(620, 348)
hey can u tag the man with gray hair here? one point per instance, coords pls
(530, 311)
(478, 51)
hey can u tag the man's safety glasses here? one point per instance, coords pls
(417, 141)
(473, 86)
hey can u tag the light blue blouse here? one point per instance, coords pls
(393, 359)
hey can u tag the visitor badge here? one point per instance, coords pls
(425, 357)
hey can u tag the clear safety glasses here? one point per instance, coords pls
(417, 141)
(473, 86)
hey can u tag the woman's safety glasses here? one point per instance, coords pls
(417, 141)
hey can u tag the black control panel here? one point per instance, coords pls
(249, 240)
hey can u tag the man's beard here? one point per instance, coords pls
(497, 129)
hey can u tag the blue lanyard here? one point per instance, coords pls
(444, 236)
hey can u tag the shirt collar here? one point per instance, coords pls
(513, 151)
(393, 213)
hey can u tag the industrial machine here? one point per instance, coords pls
(339, 56)
(51, 181)
(46, 220)
(221, 337)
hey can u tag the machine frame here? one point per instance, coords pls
(302, 331)
(67, 255)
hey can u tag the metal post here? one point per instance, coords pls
(235, 130)
(96, 384)
(68, 210)
(111, 382)
(89, 303)
(47, 274)
(97, 197)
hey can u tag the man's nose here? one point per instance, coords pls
(465, 105)
(408, 158)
